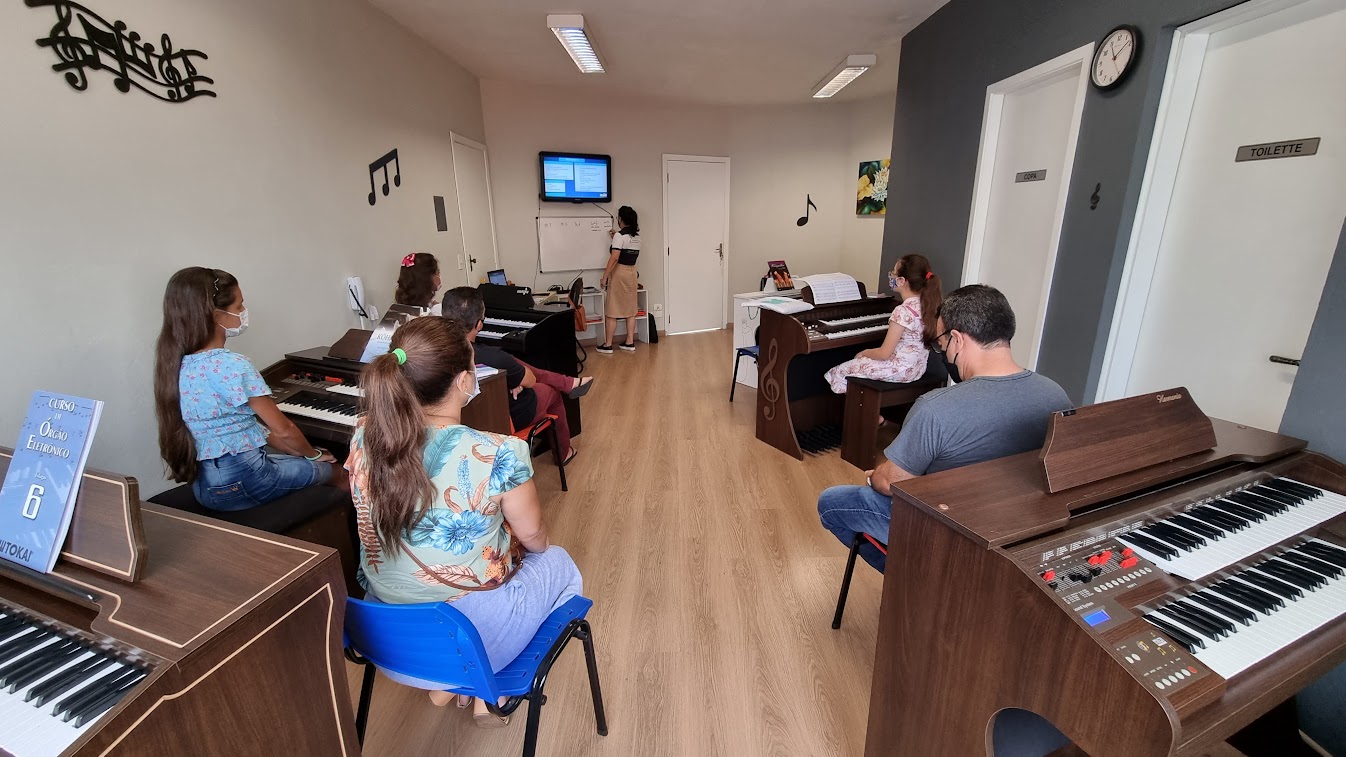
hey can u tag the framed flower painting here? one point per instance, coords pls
(871, 193)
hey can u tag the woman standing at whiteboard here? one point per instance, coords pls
(619, 280)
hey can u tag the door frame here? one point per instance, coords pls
(724, 234)
(455, 138)
(1077, 60)
(1177, 99)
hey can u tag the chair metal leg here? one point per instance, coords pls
(738, 358)
(586, 635)
(366, 694)
(846, 580)
(556, 453)
(535, 701)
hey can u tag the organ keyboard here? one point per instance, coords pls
(793, 398)
(226, 640)
(1152, 611)
(542, 336)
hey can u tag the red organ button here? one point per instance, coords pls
(1105, 555)
(1093, 559)
(1130, 562)
(1049, 575)
(1128, 552)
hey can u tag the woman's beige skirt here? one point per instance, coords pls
(621, 299)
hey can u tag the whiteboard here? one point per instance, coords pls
(573, 244)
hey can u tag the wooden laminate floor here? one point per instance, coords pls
(713, 583)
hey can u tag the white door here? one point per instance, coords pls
(472, 178)
(1246, 246)
(1028, 149)
(696, 226)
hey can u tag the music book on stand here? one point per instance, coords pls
(37, 498)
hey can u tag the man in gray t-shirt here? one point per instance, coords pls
(998, 409)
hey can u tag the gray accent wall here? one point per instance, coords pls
(1317, 408)
(947, 63)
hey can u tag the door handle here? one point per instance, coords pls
(472, 261)
(1285, 360)
(721, 250)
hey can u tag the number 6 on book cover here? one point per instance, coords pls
(38, 496)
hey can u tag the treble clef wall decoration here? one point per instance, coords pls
(770, 386)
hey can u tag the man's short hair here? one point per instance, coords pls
(464, 305)
(979, 311)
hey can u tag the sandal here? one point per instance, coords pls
(582, 388)
(569, 457)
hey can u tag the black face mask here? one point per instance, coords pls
(950, 367)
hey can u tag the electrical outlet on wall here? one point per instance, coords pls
(460, 262)
(657, 308)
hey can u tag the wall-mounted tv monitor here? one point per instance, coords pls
(575, 177)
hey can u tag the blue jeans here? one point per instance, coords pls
(249, 479)
(847, 510)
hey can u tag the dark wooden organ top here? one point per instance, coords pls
(784, 337)
(239, 631)
(972, 621)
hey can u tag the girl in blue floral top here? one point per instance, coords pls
(447, 513)
(218, 426)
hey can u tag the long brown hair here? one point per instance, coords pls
(925, 283)
(190, 301)
(415, 282)
(399, 487)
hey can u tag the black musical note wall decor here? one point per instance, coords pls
(95, 44)
(1095, 197)
(382, 163)
(805, 218)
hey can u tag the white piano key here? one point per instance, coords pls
(856, 332)
(509, 322)
(350, 391)
(492, 334)
(33, 731)
(858, 319)
(322, 415)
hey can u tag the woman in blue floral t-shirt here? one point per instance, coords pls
(447, 513)
(218, 426)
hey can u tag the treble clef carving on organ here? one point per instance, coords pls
(770, 386)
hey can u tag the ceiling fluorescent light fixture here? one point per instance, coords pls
(846, 72)
(570, 30)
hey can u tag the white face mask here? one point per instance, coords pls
(476, 388)
(242, 324)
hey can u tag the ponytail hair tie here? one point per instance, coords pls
(928, 274)
(400, 355)
(409, 260)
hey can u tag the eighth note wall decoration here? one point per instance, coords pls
(383, 162)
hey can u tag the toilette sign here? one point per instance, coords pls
(1294, 148)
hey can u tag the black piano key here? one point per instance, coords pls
(1314, 580)
(68, 651)
(1326, 552)
(26, 662)
(1173, 533)
(1196, 526)
(63, 682)
(1145, 542)
(1242, 511)
(1249, 596)
(1214, 631)
(65, 708)
(1279, 496)
(1268, 506)
(1223, 606)
(1312, 563)
(1218, 518)
(1206, 615)
(1263, 581)
(9, 624)
(1293, 488)
(1190, 642)
(107, 700)
(1178, 544)
(1275, 571)
(26, 641)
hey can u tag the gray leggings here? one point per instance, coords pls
(507, 618)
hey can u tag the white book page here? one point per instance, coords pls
(829, 288)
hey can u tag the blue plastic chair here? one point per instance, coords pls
(435, 642)
(741, 353)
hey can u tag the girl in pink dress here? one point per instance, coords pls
(902, 356)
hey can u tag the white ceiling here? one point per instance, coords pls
(750, 52)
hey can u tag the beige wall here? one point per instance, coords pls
(777, 156)
(106, 194)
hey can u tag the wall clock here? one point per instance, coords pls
(1115, 57)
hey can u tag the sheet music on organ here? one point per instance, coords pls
(829, 288)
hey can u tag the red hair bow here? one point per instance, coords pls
(409, 260)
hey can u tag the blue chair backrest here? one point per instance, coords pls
(432, 641)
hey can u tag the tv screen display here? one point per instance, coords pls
(575, 177)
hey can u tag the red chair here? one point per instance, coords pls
(544, 425)
(860, 538)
